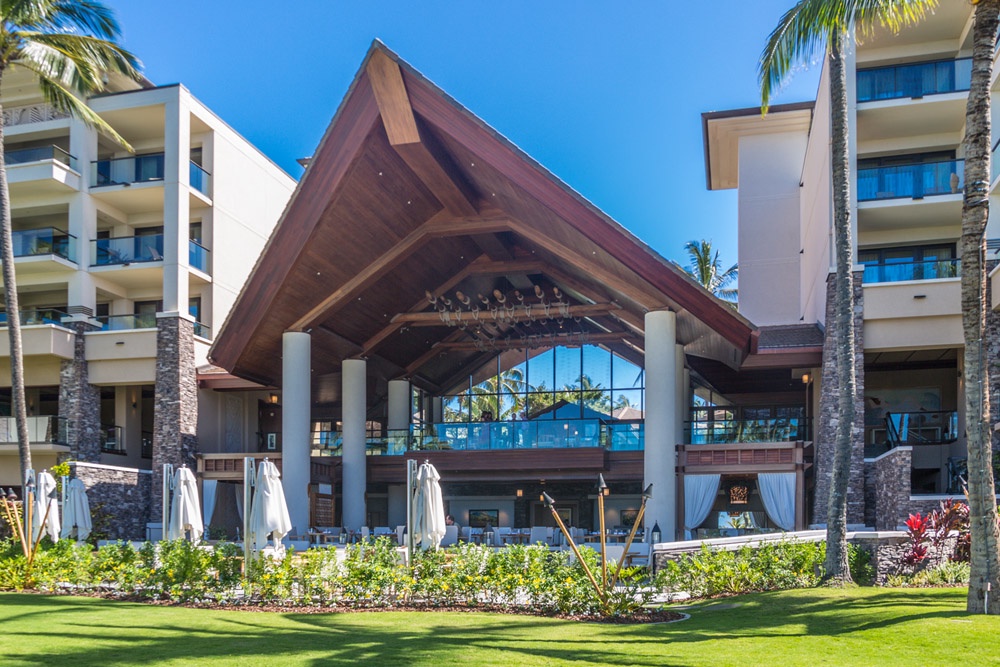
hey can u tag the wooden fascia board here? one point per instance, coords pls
(337, 153)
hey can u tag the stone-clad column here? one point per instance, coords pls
(825, 427)
(80, 401)
(354, 397)
(175, 416)
(296, 405)
(660, 457)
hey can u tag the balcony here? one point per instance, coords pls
(127, 322)
(198, 256)
(41, 170)
(921, 428)
(41, 154)
(202, 330)
(926, 270)
(30, 113)
(43, 246)
(911, 181)
(49, 430)
(112, 440)
(126, 250)
(200, 179)
(914, 80)
(734, 431)
(126, 170)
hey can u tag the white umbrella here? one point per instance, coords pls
(269, 513)
(428, 520)
(185, 510)
(76, 511)
(46, 497)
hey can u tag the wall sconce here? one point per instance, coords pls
(134, 404)
(806, 378)
(520, 493)
(273, 399)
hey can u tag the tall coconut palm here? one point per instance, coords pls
(70, 47)
(706, 267)
(985, 547)
(803, 30)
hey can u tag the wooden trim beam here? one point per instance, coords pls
(417, 149)
(535, 341)
(433, 318)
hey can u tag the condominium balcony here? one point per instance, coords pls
(43, 250)
(42, 334)
(921, 428)
(34, 316)
(44, 430)
(198, 256)
(112, 440)
(127, 170)
(902, 271)
(734, 431)
(911, 181)
(127, 322)
(41, 170)
(914, 80)
(126, 250)
(200, 179)
(30, 114)
(125, 181)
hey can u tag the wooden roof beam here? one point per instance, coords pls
(418, 149)
(536, 341)
(433, 318)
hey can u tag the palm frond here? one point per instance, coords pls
(90, 55)
(53, 64)
(63, 100)
(86, 16)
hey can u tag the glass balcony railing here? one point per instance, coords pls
(926, 270)
(626, 436)
(747, 431)
(127, 170)
(127, 322)
(198, 256)
(112, 439)
(41, 430)
(126, 250)
(44, 241)
(994, 166)
(200, 179)
(921, 428)
(31, 316)
(40, 154)
(911, 180)
(914, 79)
(202, 330)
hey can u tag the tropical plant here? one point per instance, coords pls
(809, 26)
(706, 267)
(70, 47)
(985, 533)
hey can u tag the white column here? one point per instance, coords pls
(353, 399)
(660, 457)
(176, 209)
(680, 394)
(399, 405)
(295, 414)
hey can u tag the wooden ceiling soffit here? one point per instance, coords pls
(481, 266)
(434, 351)
(434, 319)
(533, 342)
(418, 149)
(581, 291)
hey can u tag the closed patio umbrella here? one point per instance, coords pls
(76, 511)
(428, 508)
(185, 510)
(268, 513)
(46, 498)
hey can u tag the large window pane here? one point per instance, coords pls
(567, 368)
(625, 374)
(540, 376)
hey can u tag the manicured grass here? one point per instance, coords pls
(806, 627)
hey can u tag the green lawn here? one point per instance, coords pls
(808, 627)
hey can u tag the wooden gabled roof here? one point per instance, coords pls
(410, 194)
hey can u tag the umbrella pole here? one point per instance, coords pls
(411, 478)
(248, 473)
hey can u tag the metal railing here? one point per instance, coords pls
(44, 241)
(202, 330)
(914, 79)
(146, 450)
(200, 179)
(198, 256)
(31, 316)
(126, 250)
(127, 322)
(112, 439)
(734, 431)
(921, 428)
(39, 154)
(926, 270)
(914, 181)
(132, 169)
(31, 113)
(41, 430)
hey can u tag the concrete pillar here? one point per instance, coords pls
(399, 405)
(296, 403)
(176, 207)
(680, 394)
(354, 374)
(660, 457)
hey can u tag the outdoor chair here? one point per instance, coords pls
(400, 535)
(540, 534)
(502, 535)
(467, 533)
(450, 536)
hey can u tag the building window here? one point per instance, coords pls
(884, 265)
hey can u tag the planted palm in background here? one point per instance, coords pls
(70, 48)
(706, 267)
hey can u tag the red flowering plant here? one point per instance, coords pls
(951, 517)
(916, 527)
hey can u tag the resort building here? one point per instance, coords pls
(433, 293)
(126, 264)
(907, 96)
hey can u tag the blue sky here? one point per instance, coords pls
(608, 96)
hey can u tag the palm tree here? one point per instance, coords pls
(802, 31)
(706, 268)
(69, 45)
(985, 547)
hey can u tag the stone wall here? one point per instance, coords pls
(80, 401)
(870, 495)
(119, 499)
(887, 550)
(175, 422)
(892, 487)
(826, 428)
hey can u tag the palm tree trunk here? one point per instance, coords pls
(13, 312)
(985, 556)
(838, 571)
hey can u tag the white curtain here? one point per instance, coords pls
(208, 488)
(777, 490)
(239, 499)
(699, 495)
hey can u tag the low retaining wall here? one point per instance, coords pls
(119, 499)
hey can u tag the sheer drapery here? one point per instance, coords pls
(208, 488)
(699, 496)
(777, 490)
(239, 499)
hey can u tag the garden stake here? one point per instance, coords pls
(646, 495)
(569, 539)
(14, 519)
(601, 490)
